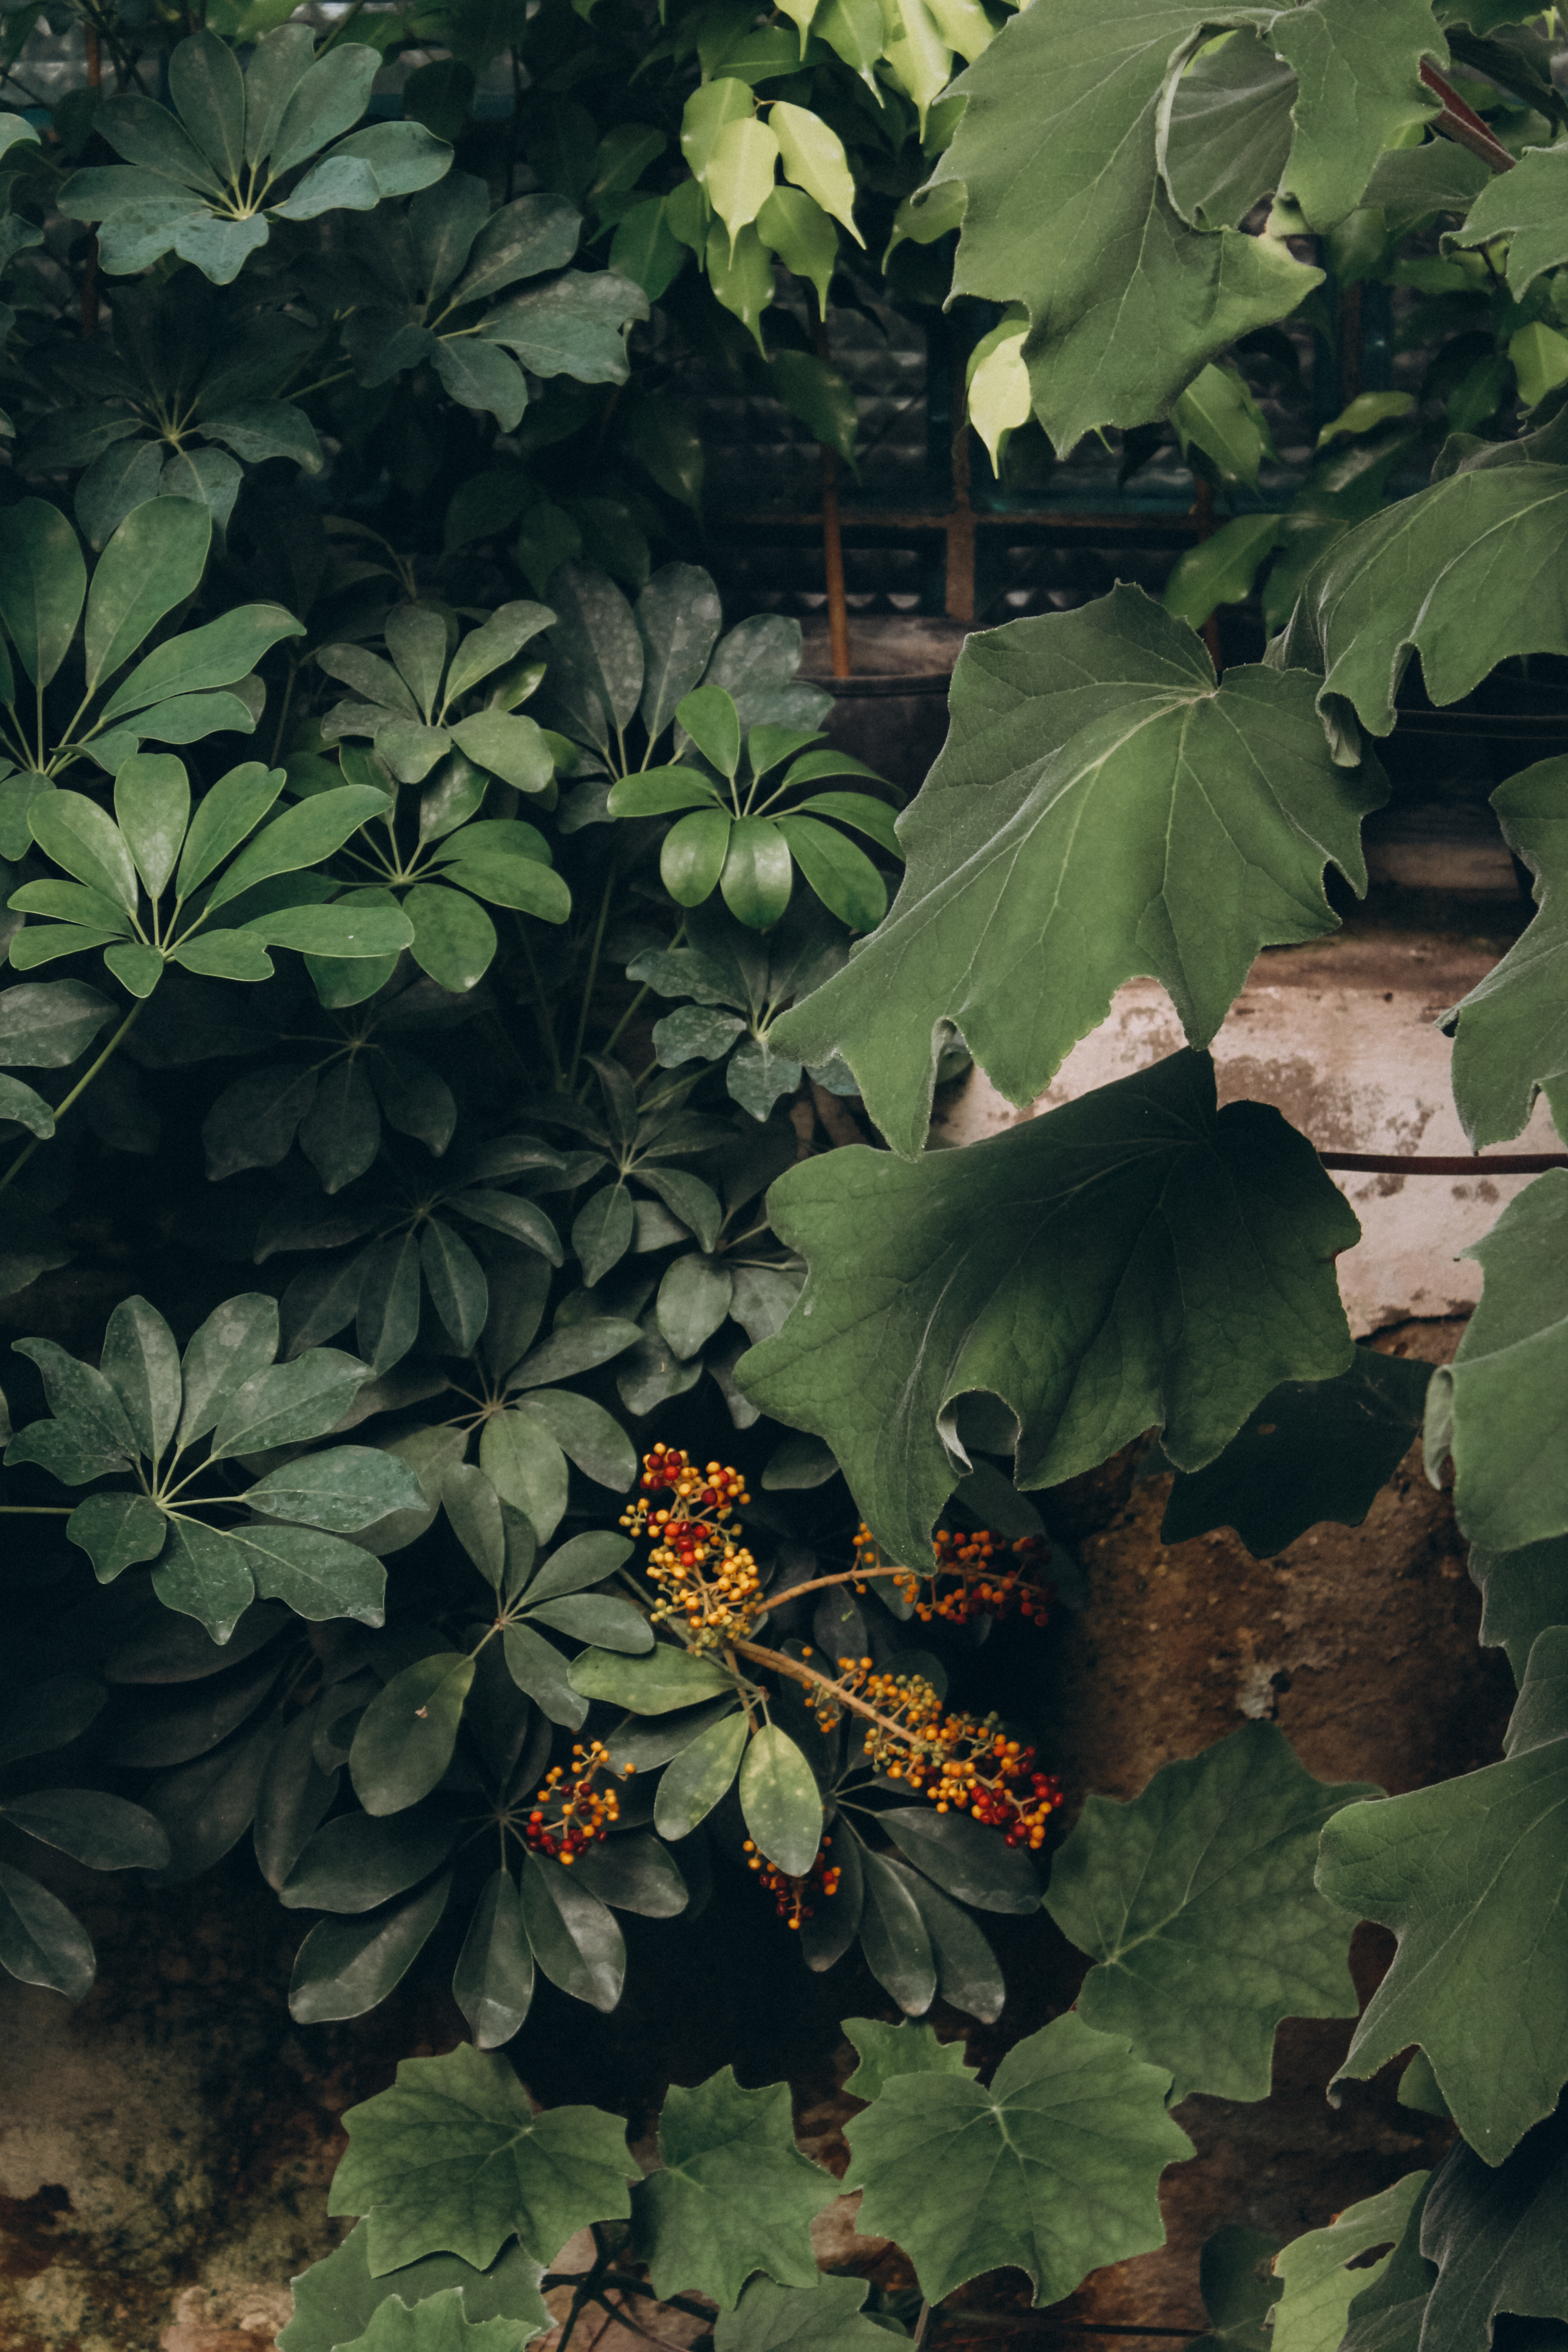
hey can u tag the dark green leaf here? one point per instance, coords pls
(539, 1668)
(576, 327)
(1072, 770)
(699, 1776)
(678, 616)
(526, 1468)
(596, 656)
(205, 1574)
(779, 1800)
(930, 1261)
(656, 1685)
(602, 1231)
(1197, 1900)
(587, 1559)
(41, 1942)
(237, 1340)
(522, 240)
(1497, 2237)
(633, 1872)
(574, 1937)
(224, 818)
(45, 1023)
(453, 2160)
(1312, 1451)
(975, 1864)
(355, 1862)
(117, 1532)
(967, 1974)
(336, 2299)
(296, 1796)
(823, 2319)
(345, 1967)
(1053, 2170)
(1464, 1874)
(889, 2051)
(494, 1981)
(103, 1832)
(206, 1806)
(894, 1937)
(43, 583)
(318, 1576)
(406, 1735)
(287, 1404)
(454, 939)
(1236, 2279)
(214, 656)
(733, 2194)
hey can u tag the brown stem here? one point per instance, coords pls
(782, 1664)
(1463, 124)
(832, 542)
(1500, 1163)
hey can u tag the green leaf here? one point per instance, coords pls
(494, 1981)
(733, 2194)
(320, 1576)
(79, 836)
(1236, 2280)
(237, 1340)
(26, 1107)
(975, 1864)
(842, 875)
(153, 561)
(353, 1863)
(455, 1280)
(526, 1468)
(1051, 2169)
(815, 392)
(1196, 1902)
(336, 2299)
(85, 1404)
(345, 1967)
(694, 1299)
(693, 855)
(677, 617)
(453, 2160)
(41, 1942)
(755, 877)
(303, 835)
(45, 1023)
(699, 1776)
(438, 2322)
(1509, 1037)
(346, 1488)
(1229, 131)
(407, 1733)
(709, 716)
(779, 1800)
(888, 2050)
(454, 939)
(794, 225)
(660, 792)
(574, 1936)
(587, 1559)
(1221, 570)
(1495, 1410)
(510, 746)
(486, 649)
(596, 656)
(655, 1685)
(1072, 774)
(103, 1832)
(602, 1231)
(224, 817)
(523, 239)
(1465, 1874)
(1008, 1266)
(117, 1532)
(214, 656)
(1314, 2301)
(153, 807)
(1525, 1592)
(287, 1404)
(575, 326)
(1450, 574)
(968, 1975)
(823, 2319)
(1127, 301)
(539, 1668)
(1526, 206)
(142, 1364)
(894, 1935)
(204, 1574)
(479, 376)
(1312, 1451)
(43, 581)
(1497, 2238)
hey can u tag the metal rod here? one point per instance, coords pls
(1494, 1163)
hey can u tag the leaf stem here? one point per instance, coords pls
(593, 954)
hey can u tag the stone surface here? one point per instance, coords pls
(1339, 1036)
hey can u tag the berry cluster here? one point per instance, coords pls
(962, 1763)
(572, 1813)
(705, 1576)
(977, 1574)
(790, 1895)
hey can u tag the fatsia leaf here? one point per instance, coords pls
(1318, 2288)
(733, 2194)
(1465, 1875)
(1511, 1035)
(1495, 1412)
(1526, 206)
(1314, 1450)
(1067, 212)
(1046, 1266)
(335, 2299)
(453, 2160)
(1498, 2239)
(1464, 574)
(1093, 762)
(889, 2051)
(438, 2322)
(1196, 1902)
(1051, 2169)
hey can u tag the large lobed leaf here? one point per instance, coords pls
(1467, 1875)
(1136, 1257)
(1510, 1033)
(1051, 2169)
(1103, 808)
(453, 2160)
(733, 2194)
(1196, 1902)
(336, 2298)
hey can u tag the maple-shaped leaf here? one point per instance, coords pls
(453, 2160)
(1103, 807)
(1499, 2240)
(1510, 1033)
(337, 2298)
(1051, 2168)
(1196, 1902)
(1137, 1258)
(1317, 2285)
(821, 2318)
(735, 2194)
(1469, 1876)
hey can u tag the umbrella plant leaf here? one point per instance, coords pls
(345, 1965)
(1007, 1267)
(1071, 777)
(407, 1733)
(1052, 2168)
(1197, 1903)
(733, 2194)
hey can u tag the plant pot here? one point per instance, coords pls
(893, 712)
